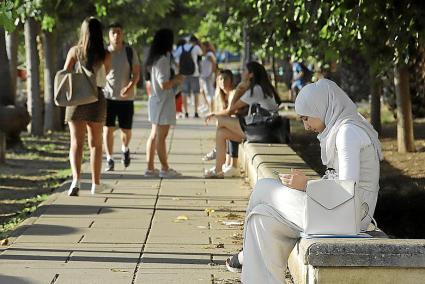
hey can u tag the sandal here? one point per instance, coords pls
(210, 156)
(212, 174)
(233, 264)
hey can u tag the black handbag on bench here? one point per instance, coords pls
(262, 126)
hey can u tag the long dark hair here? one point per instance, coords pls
(261, 78)
(227, 75)
(91, 48)
(162, 44)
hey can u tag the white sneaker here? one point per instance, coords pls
(152, 173)
(231, 172)
(170, 173)
(98, 188)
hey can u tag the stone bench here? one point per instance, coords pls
(336, 260)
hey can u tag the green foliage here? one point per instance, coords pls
(7, 16)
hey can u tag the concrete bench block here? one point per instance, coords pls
(374, 260)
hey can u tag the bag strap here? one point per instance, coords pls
(129, 53)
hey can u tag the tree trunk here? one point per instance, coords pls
(2, 147)
(375, 103)
(247, 56)
(405, 138)
(275, 76)
(6, 96)
(52, 119)
(12, 54)
(33, 88)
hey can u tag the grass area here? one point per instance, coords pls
(31, 173)
(30, 205)
(386, 115)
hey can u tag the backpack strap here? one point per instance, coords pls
(190, 50)
(129, 53)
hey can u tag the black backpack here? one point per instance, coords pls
(187, 66)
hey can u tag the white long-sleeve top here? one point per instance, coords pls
(349, 141)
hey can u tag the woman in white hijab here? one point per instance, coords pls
(350, 149)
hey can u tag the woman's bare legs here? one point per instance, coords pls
(77, 130)
(151, 148)
(95, 130)
(161, 147)
(227, 128)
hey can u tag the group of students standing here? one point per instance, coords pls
(190, 68)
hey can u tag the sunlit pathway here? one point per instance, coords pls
(143, 230)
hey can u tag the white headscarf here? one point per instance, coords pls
(328, 102)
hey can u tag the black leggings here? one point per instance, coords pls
(232, 148)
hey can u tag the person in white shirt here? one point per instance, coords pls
(274, 219)
(162, 103)
(254, 88)
(191, 82)
(208, 70)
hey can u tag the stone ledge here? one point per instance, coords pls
(337, 260)
(362, 252)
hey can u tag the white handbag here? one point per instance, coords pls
(332, 208)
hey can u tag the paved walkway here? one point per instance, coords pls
(143, 230)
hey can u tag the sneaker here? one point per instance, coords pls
(233, 264)
(170, 173)
(186, 115)
(152, 173)
(98, 188)
(210, 156)
(126, 158)
(196, 115)
(212, 174)
(231, 172)
(110, 165)
(73, 191)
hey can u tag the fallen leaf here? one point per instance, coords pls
(232, 223)
(220, 245)
(118, 270)
(209, 210)
(4, 242)
(182, 218)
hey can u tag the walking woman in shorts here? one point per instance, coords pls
(162, 103)
(91, 53)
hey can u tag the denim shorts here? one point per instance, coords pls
(191, 85)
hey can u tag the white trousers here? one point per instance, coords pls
(272, 227)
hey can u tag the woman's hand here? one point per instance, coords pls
(296, 180)
(208, 117)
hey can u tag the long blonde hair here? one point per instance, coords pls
(91, 48)
(220, 96)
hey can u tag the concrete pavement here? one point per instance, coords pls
(143, 230)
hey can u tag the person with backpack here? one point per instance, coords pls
(120, 92)
(301, 77)
(188, 56)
